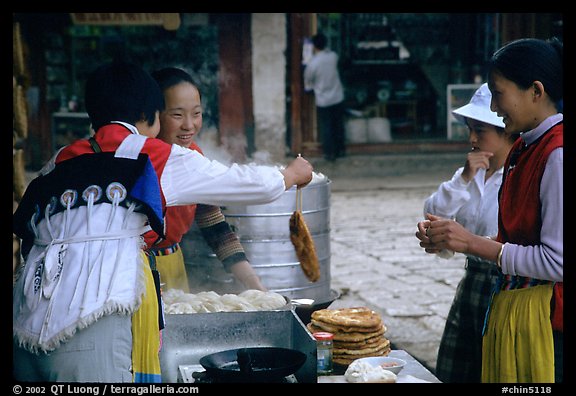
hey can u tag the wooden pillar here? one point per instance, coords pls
(235, 101)
(520, 25)
(302, 106)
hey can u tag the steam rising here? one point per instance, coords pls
(208, 141)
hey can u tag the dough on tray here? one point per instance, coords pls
(178, 302)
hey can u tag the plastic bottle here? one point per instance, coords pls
(324, 347)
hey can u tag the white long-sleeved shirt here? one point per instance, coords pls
(215, 183)
(544, 261)
(473, 204)
(321, 76)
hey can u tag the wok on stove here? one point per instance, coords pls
(258, 364)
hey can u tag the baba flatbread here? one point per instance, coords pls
(304, 246)
(345, 360)
(369, 342)
(348, 319)
(350, 336)
(358, 332)
(343, 329)
(377, 347)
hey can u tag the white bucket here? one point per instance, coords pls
(379, 130)
(356, 130)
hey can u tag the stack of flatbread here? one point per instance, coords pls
(358, 332)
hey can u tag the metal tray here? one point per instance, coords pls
(188, 337)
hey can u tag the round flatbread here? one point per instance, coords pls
(382, 345)
(369, 342)
(343, 329)
(356, 317)
(350, 336)
(345, 360)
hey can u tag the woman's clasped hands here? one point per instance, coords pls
(437, 233)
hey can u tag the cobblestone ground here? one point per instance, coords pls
(376, 260)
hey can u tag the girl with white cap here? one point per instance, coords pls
(471, 198)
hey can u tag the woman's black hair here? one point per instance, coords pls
(170, 76)
(122, 91)
(527, 60)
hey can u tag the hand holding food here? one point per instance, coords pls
(298, 172)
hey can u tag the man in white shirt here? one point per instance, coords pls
(321, 76)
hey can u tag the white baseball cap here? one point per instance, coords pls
(479, 108)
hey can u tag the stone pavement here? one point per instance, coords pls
(376, 202)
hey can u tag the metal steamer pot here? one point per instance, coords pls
(265, 235)
(258, 364)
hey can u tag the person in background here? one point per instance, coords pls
(471, 198)
(180, 121)
(85, 304)
(321, 77)
(523, 334)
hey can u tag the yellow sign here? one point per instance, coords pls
(170, 21)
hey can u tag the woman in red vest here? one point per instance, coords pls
(523, 335)
(180, 122)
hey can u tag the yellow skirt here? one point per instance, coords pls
(146, 334)
(518, 344)
(173, 271)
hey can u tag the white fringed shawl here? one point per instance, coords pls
(86, 262)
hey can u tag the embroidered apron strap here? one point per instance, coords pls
(158, 286)
(121, 234)
(131, 146)
(95, 146)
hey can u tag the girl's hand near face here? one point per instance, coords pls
(475, 160)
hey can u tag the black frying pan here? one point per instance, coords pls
(304, 312)
(259, 364)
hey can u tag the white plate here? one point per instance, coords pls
(385, 360)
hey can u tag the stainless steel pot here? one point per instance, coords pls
(265, 235)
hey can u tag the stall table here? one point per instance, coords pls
(414, 371)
